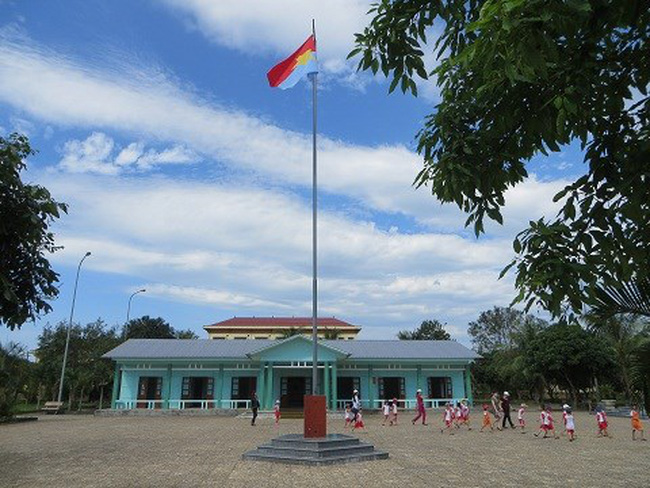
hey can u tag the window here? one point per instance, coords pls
(345, 385)
(390, 387)
(439, 387)
(243, 387)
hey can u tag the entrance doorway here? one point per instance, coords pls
(293, 389)
(345, 385)
(197, 388)
(390, 388)
(149, 388)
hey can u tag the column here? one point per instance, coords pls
(326, 382)
(116, 386)
(261, 390)
(371, 388)
(218, 387)
(269, 386)
(418, 378)
(334, 387)
(468, 385)
(167, 387)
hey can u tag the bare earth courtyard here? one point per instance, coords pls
(70, 451)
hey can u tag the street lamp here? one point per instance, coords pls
(67, 339)
(128, 309)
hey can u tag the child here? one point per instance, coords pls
(521, 417)
(546, 423)
(386, 407)
(348, 416)
(394, 411)
(487, 418)
(464, 414)
(550, 422)
(601, 418)
(569, 424)
(448, 418)
(458, 415)
(276, 411)
(565, 407)
(637, 426)
(358, 424)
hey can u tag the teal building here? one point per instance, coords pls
(208, 374)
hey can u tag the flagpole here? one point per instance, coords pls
(314, 326)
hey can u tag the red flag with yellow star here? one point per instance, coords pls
(302, 62)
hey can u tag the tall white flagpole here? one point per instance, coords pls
(314, 318)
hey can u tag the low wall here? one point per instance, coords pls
(143, 412)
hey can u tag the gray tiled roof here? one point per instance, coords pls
(218, 349)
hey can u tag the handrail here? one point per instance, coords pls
(182, 404)
(404, 403)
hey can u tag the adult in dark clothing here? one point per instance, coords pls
(505, 407)
(356, 404)
(255, 404)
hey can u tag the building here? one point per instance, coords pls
(277, 327)
(206, 374)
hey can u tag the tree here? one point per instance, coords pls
(148, 328)
(520, 78)
(569, 357)
(500, 328)
(27, 280)
(429, 330)
(185, 334)
(331, 334)
(87, 373)
(15, 372)
(290, 332)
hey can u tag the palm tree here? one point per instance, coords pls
(331, 334)
(290, 332)
(630, 298)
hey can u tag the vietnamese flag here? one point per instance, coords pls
(289, 72)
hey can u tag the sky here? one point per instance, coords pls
(188, 176)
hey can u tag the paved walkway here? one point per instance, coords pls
(76, 451)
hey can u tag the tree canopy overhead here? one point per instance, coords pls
(519, 78)
(27, 280)
(429, 330)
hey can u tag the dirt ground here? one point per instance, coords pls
(71, 451)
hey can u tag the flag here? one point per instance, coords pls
(289, 72)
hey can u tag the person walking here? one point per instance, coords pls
(505, 408)
(356, 404)
(496, 407)
(255, 405)
(419, 406)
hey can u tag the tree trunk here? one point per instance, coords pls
(70, 398)
(81, 399)
(101, 396)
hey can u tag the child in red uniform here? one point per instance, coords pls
(637, 426)
(569, 424)
(358, 424)
(394, 411)
(448, 419)
(601, 418)
(348, 416)
(386, 408)
(487, 418)
(565, 407)
(521, 416)
(276, 412)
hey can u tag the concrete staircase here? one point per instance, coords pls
(333, 449)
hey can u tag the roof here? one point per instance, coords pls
(281, 323)
(241, 349)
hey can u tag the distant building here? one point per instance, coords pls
(277, 327)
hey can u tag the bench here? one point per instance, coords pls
(52, 407)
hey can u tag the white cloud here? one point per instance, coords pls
(95, 155)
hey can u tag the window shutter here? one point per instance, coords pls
(235, 388)
(381, 388)
(402, 388)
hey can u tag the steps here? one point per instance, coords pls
(333, 449)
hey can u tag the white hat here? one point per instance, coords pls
(419, 391)
(505, 393)
(565, 406)
(355, 391)
(277, 402)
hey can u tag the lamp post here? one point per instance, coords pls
(67, 339)
(128, 309)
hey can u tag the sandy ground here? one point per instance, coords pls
(71, 451)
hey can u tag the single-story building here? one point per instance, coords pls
(207, 373)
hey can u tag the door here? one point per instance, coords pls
(293, 389)
(149, 388)
(440, 387)
(391, 387)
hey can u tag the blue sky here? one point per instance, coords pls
(188, 176)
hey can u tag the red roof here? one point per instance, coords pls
(282, 322)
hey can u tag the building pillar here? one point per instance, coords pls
(371, 388)
(116, 386)
(218, 389)
(334, 387)
(326, 382)
(418, 378)
(167, 387)
(269, 387)
(468, 385)
(261, 385)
